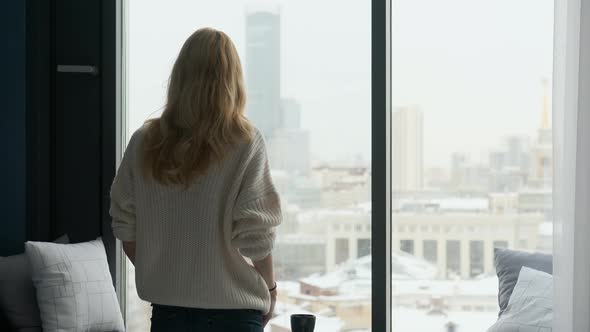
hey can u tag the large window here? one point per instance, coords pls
(308, 74)
(472, 153)
(471, 146)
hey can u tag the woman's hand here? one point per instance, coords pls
(129, 249)
(273, 300)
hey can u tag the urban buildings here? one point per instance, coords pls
(462, 244)
(408, 137)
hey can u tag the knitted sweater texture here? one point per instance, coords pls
(194, 245)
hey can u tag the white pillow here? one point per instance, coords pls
(74, 287)
(530, 308)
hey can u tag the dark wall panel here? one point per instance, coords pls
(77, 120)
(39, 78)
(71, 119)
(57, 129)
(12, 127)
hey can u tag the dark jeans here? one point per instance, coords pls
(176, 319)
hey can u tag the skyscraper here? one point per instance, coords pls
(517, 152)
(407, 149)
(290, 114)
(542, 170)
(289, 146)
(263, 76)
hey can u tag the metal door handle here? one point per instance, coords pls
(92, 70)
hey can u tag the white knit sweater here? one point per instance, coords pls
(190, 244)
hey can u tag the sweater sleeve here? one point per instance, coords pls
(122, 208)
(258, 208)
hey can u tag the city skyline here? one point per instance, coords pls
(473, 85)
(303, 73)
(471, 94)
(440, 71)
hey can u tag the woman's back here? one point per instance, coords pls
(190, 241)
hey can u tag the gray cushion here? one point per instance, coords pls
(508, 264)
(18, 299)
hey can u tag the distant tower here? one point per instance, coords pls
(542, 171)
(407, 162)
(545, 121)
(263, 70)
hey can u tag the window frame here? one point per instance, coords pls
(121, 115)
(380, 155)
(381, 164)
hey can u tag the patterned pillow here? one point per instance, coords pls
(74, 287)
(530, 308)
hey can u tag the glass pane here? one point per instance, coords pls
(308, 72)
(471, 153)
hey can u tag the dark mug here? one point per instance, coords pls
(302, 323)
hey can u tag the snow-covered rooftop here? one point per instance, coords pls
(292, 208)
(288, 287)
(412, 277)
(312, 216)
(344, 276)
(300, 238)
(487, 286)
(445, 203)
(406, 266)
(354, 276)
(405, 320)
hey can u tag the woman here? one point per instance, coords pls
(193, 201)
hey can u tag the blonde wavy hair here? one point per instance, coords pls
(204, 113)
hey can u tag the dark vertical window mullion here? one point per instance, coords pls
(52, 112)
(379, 164)
(108, 131)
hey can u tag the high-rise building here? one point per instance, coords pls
(278, 119)
(509, 167)
(459, 162)
(263, 75)
(289, 151)
(290, 114)
(517, 152)
(289, 143)
(407, 149)
(542, 151)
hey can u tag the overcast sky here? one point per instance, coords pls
(474, 66)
